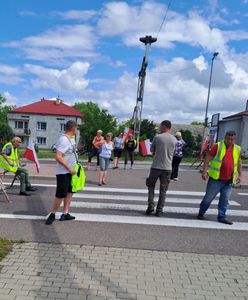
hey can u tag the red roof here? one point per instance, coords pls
(49, 107)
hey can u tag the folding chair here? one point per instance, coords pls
(2, 186)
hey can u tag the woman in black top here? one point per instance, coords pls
(129, 146)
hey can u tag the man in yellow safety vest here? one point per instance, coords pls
(9, 161)
(223, 168)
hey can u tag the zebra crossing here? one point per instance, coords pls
(127, 206)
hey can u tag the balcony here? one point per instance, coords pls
(22, 132)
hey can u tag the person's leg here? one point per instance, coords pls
(22, 180)
(102, 169)
(56, 204)
(164, 183)
(126, 159)
(67, 202)
(61, 193)
(213, 188)
(173, 167)
(225, 194)
(107, 161)
(131, 155)
(177, 163)
(151, 183)
(97, 162)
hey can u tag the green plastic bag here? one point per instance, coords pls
(78, 179)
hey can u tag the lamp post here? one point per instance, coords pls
(209, 88)
(137, 114)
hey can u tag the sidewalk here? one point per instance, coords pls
(35, 271)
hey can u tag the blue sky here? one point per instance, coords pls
(90, 51)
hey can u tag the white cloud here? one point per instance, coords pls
(67, 80)
(10, 75)
(79, 15)
(61, 42)
(11, 100)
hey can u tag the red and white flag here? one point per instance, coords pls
(30, 154)
(145, 147)
(127, 131)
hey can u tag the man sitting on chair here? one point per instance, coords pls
(10, 161)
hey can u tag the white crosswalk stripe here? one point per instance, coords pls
(127, 206)
(143, 198)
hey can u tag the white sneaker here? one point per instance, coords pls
(175, 179)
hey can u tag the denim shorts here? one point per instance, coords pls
(104, 163)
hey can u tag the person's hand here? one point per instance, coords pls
(239, 179)
(204, 175)
(72, 171)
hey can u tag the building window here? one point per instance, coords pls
(41, 140)
(62, 127)
(41, 126)
(21, 125)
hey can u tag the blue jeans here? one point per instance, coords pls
(224, 187)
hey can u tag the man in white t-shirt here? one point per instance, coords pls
(66, 158)
(162, 147)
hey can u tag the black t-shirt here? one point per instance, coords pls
(130, 145)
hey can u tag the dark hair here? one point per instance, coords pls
(166, 123)
(230, 133)
(70, 125)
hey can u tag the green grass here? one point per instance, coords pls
(5, 247)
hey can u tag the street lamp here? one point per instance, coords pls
(209, 87)
(137, 114)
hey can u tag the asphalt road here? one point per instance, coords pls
(113, 216)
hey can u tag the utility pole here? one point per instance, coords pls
(137, 113)
(209, 88)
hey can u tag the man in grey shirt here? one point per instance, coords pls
(162, 147)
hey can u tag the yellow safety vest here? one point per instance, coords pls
(216, 162)
(13, 157)
(78, 179)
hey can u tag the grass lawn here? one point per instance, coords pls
(5, 247)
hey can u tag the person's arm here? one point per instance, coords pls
(205, 167)
(60, 159)
(5, 156)
(239, 178)
(152, 148)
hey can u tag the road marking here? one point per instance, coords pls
(142, 198)
(131, 191)
(167, 209)
(243, 194)
(141, 221)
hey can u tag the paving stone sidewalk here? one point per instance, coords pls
(57, 271)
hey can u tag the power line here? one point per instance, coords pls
(165, 15)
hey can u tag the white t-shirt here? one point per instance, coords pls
(68, 148)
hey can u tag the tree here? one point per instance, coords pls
(147, 130)
(197, 123)
(190, 142)
(94, 119)
(4, 109)
(6, 134)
